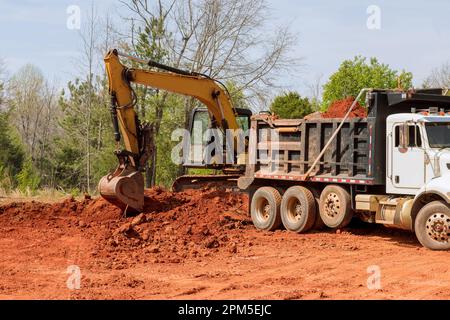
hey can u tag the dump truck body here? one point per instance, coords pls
(284, 149)
(288, 151)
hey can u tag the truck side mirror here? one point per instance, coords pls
(404, 138)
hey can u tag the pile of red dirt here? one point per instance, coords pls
(172, 227)
(35, 213)
(338, 109)
(175, 226)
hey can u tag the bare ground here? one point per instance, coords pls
(201, 245)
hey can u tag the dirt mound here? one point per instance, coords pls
(339, 108)
(175, 226)
(35, 213)
(172, 227)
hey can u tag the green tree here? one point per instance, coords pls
(28, 178)
(2, 81)
(69, 165)
(2, 87)
(173, 118)
(290, 105)
(354, 75)
(77, 132)
(150, 45)
(12, 155)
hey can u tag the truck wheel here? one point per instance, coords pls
(265, 209)
(318, 224)
(298, 209)
(335, 207)
(432, 226)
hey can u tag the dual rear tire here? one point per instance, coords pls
(265, 209)
(299, 210)
(296, 210)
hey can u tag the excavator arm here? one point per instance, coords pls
(125, 186)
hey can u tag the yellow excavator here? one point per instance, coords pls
(124, 187)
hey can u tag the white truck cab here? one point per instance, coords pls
(418, 155)
(418, 176)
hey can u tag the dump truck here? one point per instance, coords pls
(390, 168)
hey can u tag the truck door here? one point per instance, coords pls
(408, 158)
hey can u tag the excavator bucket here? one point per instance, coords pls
(124, 188)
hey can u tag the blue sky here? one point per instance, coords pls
(414, 35)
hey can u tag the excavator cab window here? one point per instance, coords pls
(244, 118)
(200, 137)
(200, 122)
(244, 122)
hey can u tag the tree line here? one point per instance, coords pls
(62, 138)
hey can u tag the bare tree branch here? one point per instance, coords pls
(226, 39)
(439, 77)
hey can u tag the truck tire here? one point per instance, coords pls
(318, 224)
(298, 209)
(265, 209)
(432, 226)
(335, 207)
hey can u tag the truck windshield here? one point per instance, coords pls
(438, 134)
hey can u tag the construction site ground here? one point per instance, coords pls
(202, 245)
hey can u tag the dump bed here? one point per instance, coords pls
(283, 149)
(286, 149)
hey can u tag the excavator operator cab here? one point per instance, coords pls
(212, 148)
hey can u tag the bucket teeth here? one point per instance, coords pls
(124, 188)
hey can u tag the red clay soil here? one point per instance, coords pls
(201, 245)
(339, 109)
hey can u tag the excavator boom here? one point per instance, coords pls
(125, 186)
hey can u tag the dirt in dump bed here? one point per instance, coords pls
(339, 108)
(202, 245)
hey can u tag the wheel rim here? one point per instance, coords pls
(262, 210)
(332, 205)
(438, 227)
(294, 210)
